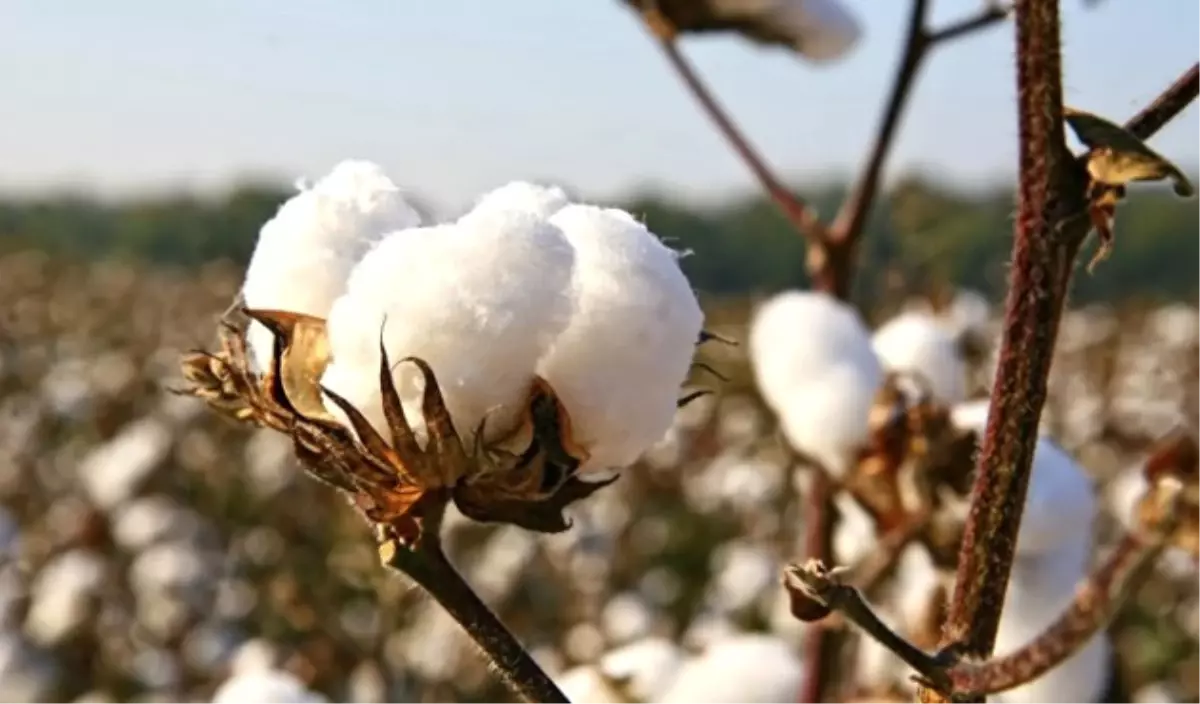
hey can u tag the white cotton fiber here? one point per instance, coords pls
(645, 668)
(521, 196)
(305, 252)
(797, 336)
(479, 300)
(619, 364)
(749, 667)
(819, 30)
(916, 343)
(1060, 504)
(826, 418)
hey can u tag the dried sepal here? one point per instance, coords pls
(302, 360)
(1172, 501)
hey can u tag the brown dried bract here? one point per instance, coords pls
(395, 482)
(1174, 468)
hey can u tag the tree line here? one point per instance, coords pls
(923, 232)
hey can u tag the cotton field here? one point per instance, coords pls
(152, 551)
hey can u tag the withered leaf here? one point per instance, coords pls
(303, 359)
(1119, 157)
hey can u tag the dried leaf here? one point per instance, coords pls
(1119, 157)
(543, 516)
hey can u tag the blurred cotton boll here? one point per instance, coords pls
(265, 686)
(620, 362)
(797, 335)
(815, 367)
(739, 668)
(644, 669)
(916, 343)
(823, 30)
(479, 300)
(306, 251)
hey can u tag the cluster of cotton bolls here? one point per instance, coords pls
(525, 284)
(807, 349)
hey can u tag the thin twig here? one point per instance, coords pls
(1167, 105)
(427, 565)
(794, 209)
(820, 644)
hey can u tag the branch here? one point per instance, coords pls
(851, 218)
(427, 565)
(1167, 105)
(820, 644)
(1051, 189)
(794, 209)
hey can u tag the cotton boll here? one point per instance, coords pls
(796, 336)
(826, 418)
(744, 572)
(914, 343)
(521, 196)
(742, 668)
(479, 301)
(305, 252)
(619, 364)
(116, 470)
(855, 534)
(625, 617)
(818, 30)
(586, 685)
(63, 595)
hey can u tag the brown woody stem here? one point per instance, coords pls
(427, 565)
(1051, 189)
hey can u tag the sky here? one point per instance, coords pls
(454, 97)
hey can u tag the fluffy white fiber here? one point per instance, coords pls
(1061, 502)
(265, 686)
(814, 365)
(917, 343)
(619, 364)
(819, 30)
(525, 283)
(305, 252)
(478, 302)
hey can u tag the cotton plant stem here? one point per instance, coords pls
(427, 565)
(1051, 190)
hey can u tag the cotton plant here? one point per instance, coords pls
(506, 362)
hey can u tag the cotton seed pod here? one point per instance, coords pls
(618, 365)
(799, 335)
(521, 196)
(478, 300)
(305, 252)
(917, 344)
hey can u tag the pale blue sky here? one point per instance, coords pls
(457, 96)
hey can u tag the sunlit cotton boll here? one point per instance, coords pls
(915, 343)
(796, 336)
(644, 669)
(305, 252)
(479, 300)
(619, 364)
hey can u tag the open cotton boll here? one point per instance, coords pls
(619, 364)
(748, 667)
(1060, 504)
(797, 336)
(479, 301)
(826, 418)
(305, 252)
(915, 343)
(521, 196)
(818, 30)
(586, 685)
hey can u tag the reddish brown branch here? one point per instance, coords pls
(1050, 189)
(794, 209)
(1167, 105)
(820, 644)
